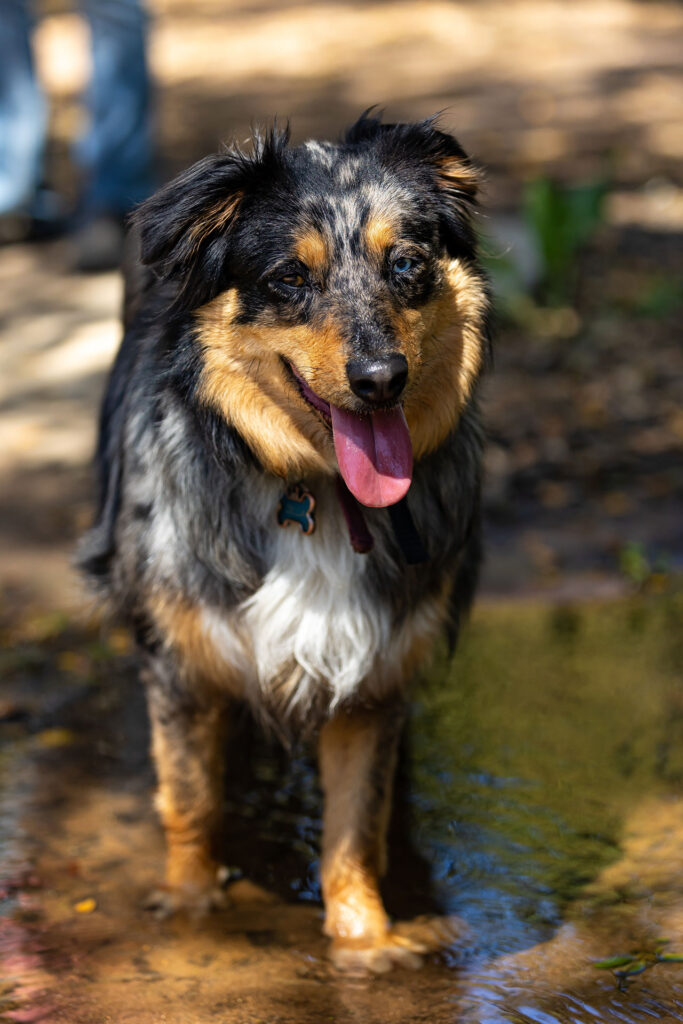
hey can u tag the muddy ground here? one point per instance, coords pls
(583, 499)
(548, 819)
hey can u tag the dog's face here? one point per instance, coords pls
(334, 289)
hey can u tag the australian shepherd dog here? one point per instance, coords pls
(289, 463)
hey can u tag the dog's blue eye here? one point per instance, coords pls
(402, 265)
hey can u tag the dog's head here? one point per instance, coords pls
(334, 290)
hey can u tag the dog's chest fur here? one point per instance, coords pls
(313, 632)
(291, 621)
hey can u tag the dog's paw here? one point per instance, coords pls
(194, 900)
(245, 893)
(403, 945)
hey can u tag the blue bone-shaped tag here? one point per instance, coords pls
(297, 506)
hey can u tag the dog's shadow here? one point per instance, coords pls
(271, 826)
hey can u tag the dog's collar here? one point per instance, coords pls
(361, 539)
(297, 505)
(402, 523)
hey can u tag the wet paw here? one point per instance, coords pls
(194, 900)
(403, 945)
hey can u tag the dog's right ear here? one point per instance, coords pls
(184, 228)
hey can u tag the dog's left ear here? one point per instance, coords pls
(457, 183)
(453, 178)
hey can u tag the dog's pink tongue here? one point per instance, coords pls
(375, 455)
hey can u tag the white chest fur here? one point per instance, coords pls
(313, 610)
(313, 624)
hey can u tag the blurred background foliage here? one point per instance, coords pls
(563, 221)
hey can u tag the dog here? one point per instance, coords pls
(290, 462)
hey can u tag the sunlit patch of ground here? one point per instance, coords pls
(522, 81)
(58, 335)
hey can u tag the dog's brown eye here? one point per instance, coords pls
(293, 280)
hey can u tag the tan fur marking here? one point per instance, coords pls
(353, 906)
(188, 769)
(444, 344)
(380, 235)
(185, 631)
(317, 351)
(215, 219)
(189, 863)
(419, 651)
(354, 824)
(244, 380)
(459, 175)
(312, 249)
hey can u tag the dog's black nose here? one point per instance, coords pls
(378, 380)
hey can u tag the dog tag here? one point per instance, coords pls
(297, 506)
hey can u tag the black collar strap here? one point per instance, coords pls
(405, 532)
(402, 523)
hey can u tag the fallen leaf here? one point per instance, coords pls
(636, 967)
(554, 494)
(119, 641)
(56, 738)
(617, 503)
(72, 661)
(85, 906)
(614, 961)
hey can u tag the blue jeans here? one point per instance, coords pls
(115, 155)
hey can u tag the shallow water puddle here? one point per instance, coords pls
(540, 797)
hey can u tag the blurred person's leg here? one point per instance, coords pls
(116, 153)
(22, 112)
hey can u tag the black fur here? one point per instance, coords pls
(162, 452)
(186, 545)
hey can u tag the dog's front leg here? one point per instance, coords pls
(188, 728)
(357, 764)
(358, 761)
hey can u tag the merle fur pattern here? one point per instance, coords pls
(183, 501)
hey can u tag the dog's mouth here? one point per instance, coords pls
(374, 452)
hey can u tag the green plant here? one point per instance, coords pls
(563, 219)
(640, 570)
